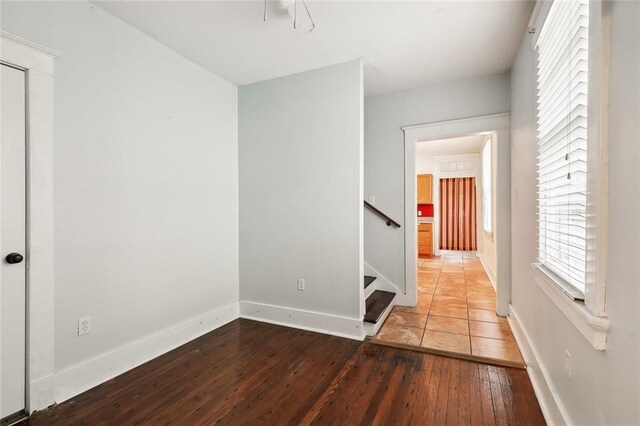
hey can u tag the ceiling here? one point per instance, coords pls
(461, 145)
(403, 45)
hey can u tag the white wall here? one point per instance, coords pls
(604, 388)
(384, 152)
(301, 160)
(424, 161)
(146, 186)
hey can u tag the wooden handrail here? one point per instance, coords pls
(381, 214)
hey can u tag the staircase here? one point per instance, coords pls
(378, 306)
(379, 303)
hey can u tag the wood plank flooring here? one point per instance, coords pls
(254, 373)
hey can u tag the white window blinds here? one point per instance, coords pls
(562, 51)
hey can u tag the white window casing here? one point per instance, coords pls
(562, 82)
(571, 39)
(486, 186)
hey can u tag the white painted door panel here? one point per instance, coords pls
(12, 239)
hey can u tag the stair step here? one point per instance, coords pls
(376, 305)
(368, 279)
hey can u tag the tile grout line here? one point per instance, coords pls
(431, 304)
(466, 295)
(467, 271)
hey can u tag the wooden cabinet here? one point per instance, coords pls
(425, 239)
(425, 189)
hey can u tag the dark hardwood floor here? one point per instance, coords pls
(253, 373)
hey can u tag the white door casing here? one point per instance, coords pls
(12, 240)
(37, 63)
(498, 123)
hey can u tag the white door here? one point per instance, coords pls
(12, 241)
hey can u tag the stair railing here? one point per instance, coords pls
(381, 214)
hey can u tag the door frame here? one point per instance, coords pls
(501, 125)
(37, 63)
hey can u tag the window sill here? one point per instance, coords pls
(592, 327)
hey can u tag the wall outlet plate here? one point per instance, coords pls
(84, 326)
(300, 284)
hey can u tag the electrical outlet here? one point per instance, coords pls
(567, 363)
(84, 326)
(300, 284)
(372, 200)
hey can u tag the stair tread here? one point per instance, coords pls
(376, 305)
(368, 279)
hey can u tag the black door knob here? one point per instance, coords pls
(14, 258)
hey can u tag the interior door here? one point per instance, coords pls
(12, 241)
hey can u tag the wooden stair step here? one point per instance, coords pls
(368, 279)
(376, 305)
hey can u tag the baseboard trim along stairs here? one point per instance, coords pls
(379, 304)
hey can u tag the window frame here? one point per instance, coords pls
(487, 200)
(589, 316)
(555, 253)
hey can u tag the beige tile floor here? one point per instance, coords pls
(455, 314)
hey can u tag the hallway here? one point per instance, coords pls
(455, 315)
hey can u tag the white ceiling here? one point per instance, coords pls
(404, 45)
(461, 145)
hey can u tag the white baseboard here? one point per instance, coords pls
(550, 404)
(488, 269)
(41, 393)
(319, 322)
(84, 376)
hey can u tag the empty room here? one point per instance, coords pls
(330, 212)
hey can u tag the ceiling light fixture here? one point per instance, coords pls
(286, 6)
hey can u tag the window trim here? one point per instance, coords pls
(597, 159)
(487, 143)
(590, 316)
(593, 327)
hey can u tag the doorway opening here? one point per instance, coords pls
(457, 242)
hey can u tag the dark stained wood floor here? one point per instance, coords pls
(253, 373)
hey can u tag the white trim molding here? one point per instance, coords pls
(592, 327)
(25, 54)
(501, 125)
(83, 376)
(538, 16)
(319, 322)
(488, 269)
(37, 62)
(552, 408)
(597, 157)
